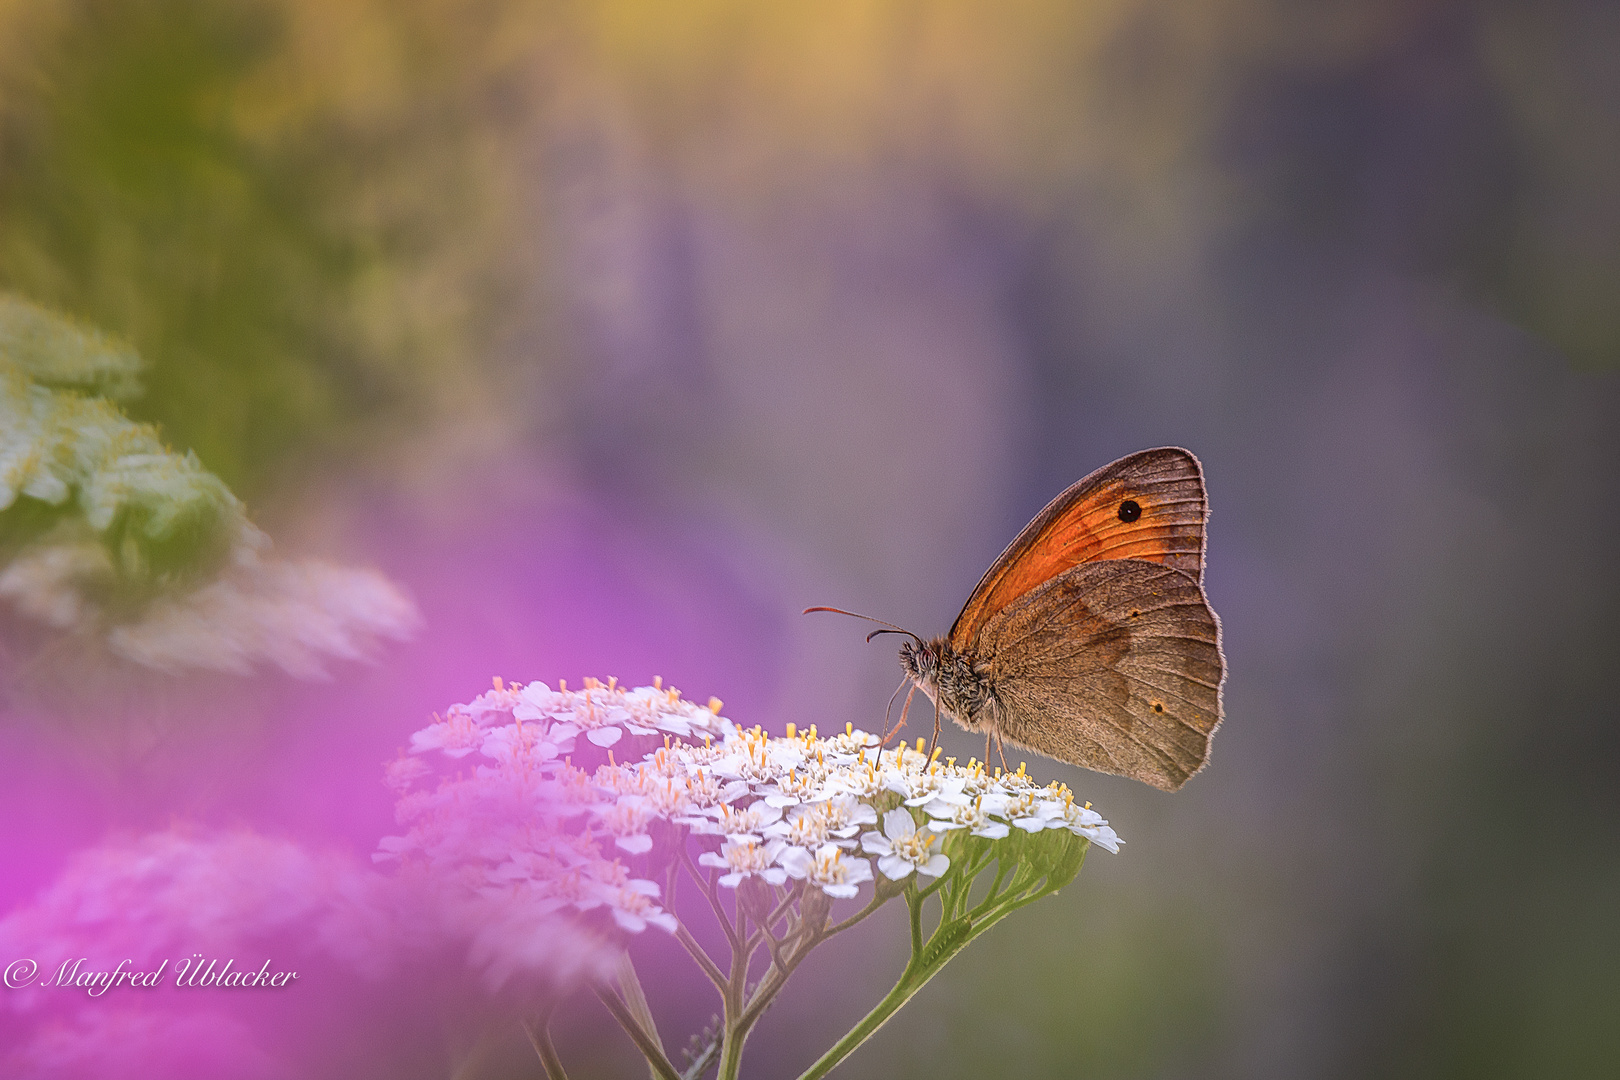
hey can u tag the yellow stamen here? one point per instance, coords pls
(920, 741)
(498, 685)
(714, 707)
(613, 680)
(610, 757)
(791, 730)
(950, 763)
(849, 727)
(658, 682)
(562, 685)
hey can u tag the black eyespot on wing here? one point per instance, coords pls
(1130, 510)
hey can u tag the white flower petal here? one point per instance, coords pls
(898, 824)
(894, 866)
(604, 736)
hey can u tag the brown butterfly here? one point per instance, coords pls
(1090, 639)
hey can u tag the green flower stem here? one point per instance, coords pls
(662, 1068)
(539, 1030)
(701, 956)
(711, 892)
(877, 901)
(635, 1001)
(952, 934)
(773, 982)
(786, 955)
(735, 1034)
(1024, 874)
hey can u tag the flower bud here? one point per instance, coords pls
(814, 909)
(755, 898)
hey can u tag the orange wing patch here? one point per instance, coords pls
(1148, 506)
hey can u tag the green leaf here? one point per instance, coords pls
(1056, 854)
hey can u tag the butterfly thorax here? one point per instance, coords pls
(961, 687)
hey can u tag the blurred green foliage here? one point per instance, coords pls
(72, 468)
(108, 535)
(188, 175)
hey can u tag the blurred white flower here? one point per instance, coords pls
(292, 615)
(457, 734)
(627, 820)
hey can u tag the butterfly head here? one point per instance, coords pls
(949, 677)
(921, 661)
(946, 675)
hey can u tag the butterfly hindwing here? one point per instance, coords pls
(1114, 666)
(1148, 506)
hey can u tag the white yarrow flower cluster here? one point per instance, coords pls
(553, 801)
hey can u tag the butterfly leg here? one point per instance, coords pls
(1002, 752)
(905, 708)
(935, 740)
(890, 707)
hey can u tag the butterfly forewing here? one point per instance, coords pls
(1148, 506)
(1113, 665)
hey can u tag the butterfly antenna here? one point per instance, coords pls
(892, 629)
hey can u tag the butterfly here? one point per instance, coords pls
(1090, 639)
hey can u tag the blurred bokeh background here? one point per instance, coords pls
(618, 332)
